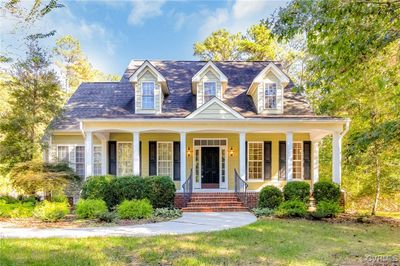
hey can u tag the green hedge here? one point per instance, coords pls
(326, 209)
(160, 190)
(135, 209)
(292, 208)
(270, 197)
(297, 190)
(90, 208)
(16, 209)
(326, 191)
(51, 211)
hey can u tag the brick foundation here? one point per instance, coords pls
(178, 201)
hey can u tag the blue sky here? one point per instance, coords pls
(114, 32)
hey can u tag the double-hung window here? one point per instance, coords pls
(97, 160)
(148, 95)
(165, 159)
(124, 158)
(80, 161)
(297, 160)
(63, 154)
(255, 160)
(270, 96)
(210, 90)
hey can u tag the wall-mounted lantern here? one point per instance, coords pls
(231, 152)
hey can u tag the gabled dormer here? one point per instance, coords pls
(150, 87)
(267, 90)
(208, 83)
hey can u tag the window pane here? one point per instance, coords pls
(255, 160)
(62, 154)
(97, 160)
(124, 159)
(164, 159)
(147, 95)
(80, 160)
(210, 91)
(297, 160)
(270, 96)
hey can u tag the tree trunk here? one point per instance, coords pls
(378, 186)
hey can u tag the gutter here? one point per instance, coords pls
(346, 128)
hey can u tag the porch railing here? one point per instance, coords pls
(241, 188)
(187, 189)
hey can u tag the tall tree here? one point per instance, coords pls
(354, 71)
(75, 65)
(258, 44)
(35, 96)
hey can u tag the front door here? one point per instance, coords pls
(210, 167)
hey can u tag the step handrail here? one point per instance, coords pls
(187, 188)
(241, 188)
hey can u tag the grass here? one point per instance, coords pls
(269, 241)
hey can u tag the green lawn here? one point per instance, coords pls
(277, 242)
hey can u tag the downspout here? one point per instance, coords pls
(346, 128)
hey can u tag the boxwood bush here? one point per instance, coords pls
(125, 187)
(297, 190)
(90, 208)
(16, 209)
(326, 191)
(51, 211)
(135, 209)
(326, 209)
(270, 197)
(96, 187)
(160, 190)
(292, 208)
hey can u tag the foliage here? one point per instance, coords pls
(354, 73)
(259, 44)
(34, 97)
(292, 208)
(270, 197)
(91, 208)
(167, 213)
(75, 65)
(35, 176)
(125, 187)
(135, 209)
(16, 209)
(326, 191)
(262, 212)
(160, 190)
(297, 190)
(51, 211)
(108, 217)
(97, 187)
(326, 209)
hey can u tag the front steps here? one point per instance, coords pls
(214, 202)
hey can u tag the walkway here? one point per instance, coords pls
(187, 224)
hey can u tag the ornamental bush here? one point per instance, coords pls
(326, 191)
(96, 187)
(326, 209)
(90, 208)
(135, 209)
(292, 208)
(51, 211)
(270, 197)
(297, 190)
(160, 190)
(262, 212)
(167, 213)
(16, 209)
(125, 188)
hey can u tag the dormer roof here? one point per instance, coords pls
(147, 66)
(271, 67)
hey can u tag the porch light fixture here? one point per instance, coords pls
(231, 152)
(188, 152)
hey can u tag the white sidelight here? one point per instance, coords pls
(136, 153)
(88, 154)
(289, 156)
(242, 155)
(183, 157)
(103, 156)
(337, 158)
(315, 156)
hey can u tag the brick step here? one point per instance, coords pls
(215, 209)
(219, 204)
(213, 199)
(230, 194)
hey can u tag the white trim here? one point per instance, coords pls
(118, 158)
(209, 103)
(160, 78)
(262, 162)
(284, 79)
(154, 95)
(197, 76)
(172, 159)
(304, 120)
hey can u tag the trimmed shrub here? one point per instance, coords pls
(96, 187)
(167, 213)
(292, 208)
(8, 199)
(51, 211)
(90, 208)
(125, 188)
(262, 212)
(270, 197)
(17, 209)
(135, 209)
(297, 190)
(160, 190)
(326, 191)
(326, 209)
(108, 217)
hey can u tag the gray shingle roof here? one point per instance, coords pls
(117, 99)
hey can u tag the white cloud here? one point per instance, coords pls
(143, 10)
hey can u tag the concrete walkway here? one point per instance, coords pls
(188, 223)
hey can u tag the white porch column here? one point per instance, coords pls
(242, 155)
(183, 157)
(337, 158)
(103, 156)
(88, 153)
(289, 156)
(136, 153)
(315, 156)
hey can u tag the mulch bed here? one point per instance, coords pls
(70, 221)
(354, 218)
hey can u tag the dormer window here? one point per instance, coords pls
(210, 91)
(270, 96)
(148, 95)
